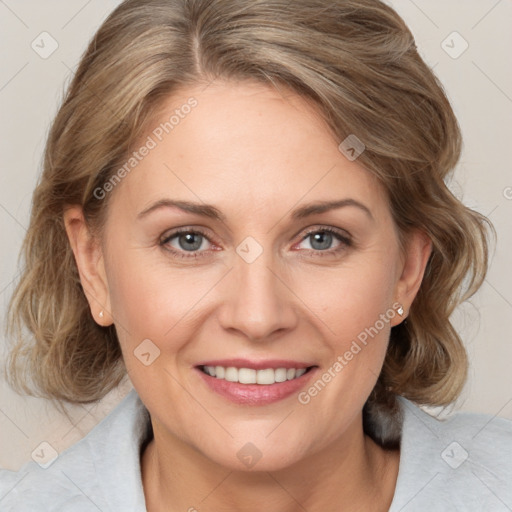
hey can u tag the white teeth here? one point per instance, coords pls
(247, 376)
(280, 374)
(264, 377)
(231, 374)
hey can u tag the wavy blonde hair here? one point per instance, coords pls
(356, 60)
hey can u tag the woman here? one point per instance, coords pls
(243, 208)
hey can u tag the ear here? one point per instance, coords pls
(412, 269)
(90, 263)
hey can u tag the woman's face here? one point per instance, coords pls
(260, 277)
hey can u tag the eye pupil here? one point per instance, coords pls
(188, 243)
(323, 240)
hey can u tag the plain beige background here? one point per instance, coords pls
(478, 80)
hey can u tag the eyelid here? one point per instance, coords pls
(186, 255)
(344, 237)
(186, 229)
(342, 234)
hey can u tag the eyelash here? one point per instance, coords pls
(345, 240)
(183, 254)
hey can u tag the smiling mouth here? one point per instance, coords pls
(264, 377)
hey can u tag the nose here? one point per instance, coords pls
(257, 301)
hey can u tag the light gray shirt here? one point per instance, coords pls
(460, 464)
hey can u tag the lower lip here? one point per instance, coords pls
(255, 394)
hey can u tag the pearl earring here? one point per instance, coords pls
(400, 310)
(101, 314)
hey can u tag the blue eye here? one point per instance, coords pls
(185, 241)
(189, 241)
(322, 239)
(193, 243)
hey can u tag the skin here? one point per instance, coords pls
(256, 155)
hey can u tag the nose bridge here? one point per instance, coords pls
(257, 303)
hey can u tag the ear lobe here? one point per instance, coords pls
(414, 263)
(90, 264)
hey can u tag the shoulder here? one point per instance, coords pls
(463, 462)
(102, 471)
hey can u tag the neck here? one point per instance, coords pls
(354, 471)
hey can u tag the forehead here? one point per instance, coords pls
(246, 144)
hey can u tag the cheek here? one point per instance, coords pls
(137, 303)
(150, 307)
(146, 297)
(355, 305)
(152, 301)
(352, 298)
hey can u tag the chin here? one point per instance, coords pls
(257, 455)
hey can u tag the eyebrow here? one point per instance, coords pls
(202, 209)
(325, 206)
(207, 210)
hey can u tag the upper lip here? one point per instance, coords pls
(256, 365)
